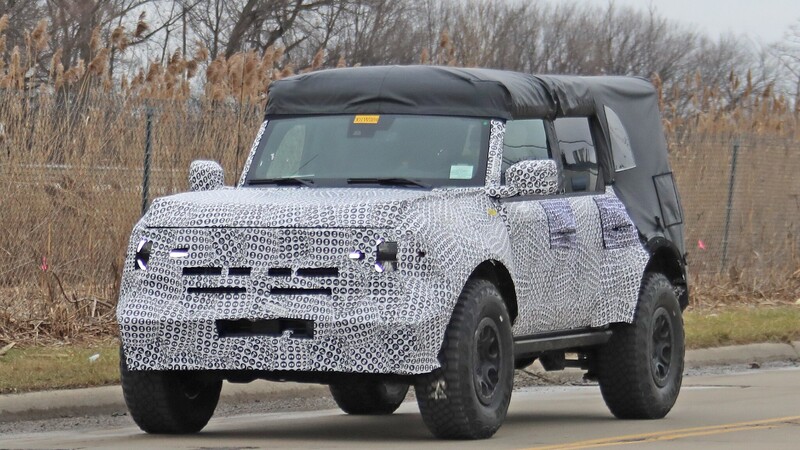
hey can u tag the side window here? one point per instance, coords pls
(578, 156)
(524, 140)
(620, 142)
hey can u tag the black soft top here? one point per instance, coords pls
(647, 190)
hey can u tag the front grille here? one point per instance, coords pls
(216, 290)
(279, 272)
(318, 272)
(304, 272)
(200, 271)
(239, 271)
(300, 291)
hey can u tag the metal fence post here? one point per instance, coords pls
(148, 150)
(731, 185)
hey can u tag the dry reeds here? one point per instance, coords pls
(726, 110)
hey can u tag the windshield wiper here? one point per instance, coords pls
(387, 182)
(286, 181)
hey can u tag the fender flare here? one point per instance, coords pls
(666, 258)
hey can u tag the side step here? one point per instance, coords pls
(536, 344)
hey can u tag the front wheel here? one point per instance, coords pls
(168, 402)
(369, 397)
(640, 368)
(468, 396)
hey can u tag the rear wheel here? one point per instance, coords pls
(369, 398)
(640, 369)
(169, 402)
(468, 396)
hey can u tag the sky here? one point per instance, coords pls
(764, 21)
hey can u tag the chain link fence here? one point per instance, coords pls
(741, 203)
(73, 184)
(75, 178)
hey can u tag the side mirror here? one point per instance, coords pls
(533, 177)
(205, 176)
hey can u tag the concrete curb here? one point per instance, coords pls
(109, 400)
(743, 354)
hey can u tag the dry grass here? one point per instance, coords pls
(71, 152)
(741, 325)
(59, 367)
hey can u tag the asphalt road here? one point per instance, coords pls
(746, 409)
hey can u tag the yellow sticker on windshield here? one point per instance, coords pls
(367, 120)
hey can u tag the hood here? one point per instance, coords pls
(290, 207)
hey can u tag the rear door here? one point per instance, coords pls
(578, 262)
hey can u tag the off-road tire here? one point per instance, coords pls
(640, 369)
(477, 351)
(168, 402)
(369, 398)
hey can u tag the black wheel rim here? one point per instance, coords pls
(661, 358)
(393, 390)
(487, 359)
(191, 388)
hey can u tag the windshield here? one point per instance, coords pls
(353, 150)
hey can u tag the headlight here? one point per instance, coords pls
(386, 257)
(143, 254)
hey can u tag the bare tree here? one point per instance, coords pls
(377, 32)
(211, 21)
(262, 23)
(787, 52)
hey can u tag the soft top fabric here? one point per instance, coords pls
(489, 93)
(428, 90)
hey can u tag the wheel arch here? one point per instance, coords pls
(497, 273)
(665, 258)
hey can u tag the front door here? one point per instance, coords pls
(557, 240)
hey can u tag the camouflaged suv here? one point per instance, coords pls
(425, 226)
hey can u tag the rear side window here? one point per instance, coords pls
(578, 155)
(620, 142)
(524, 140)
